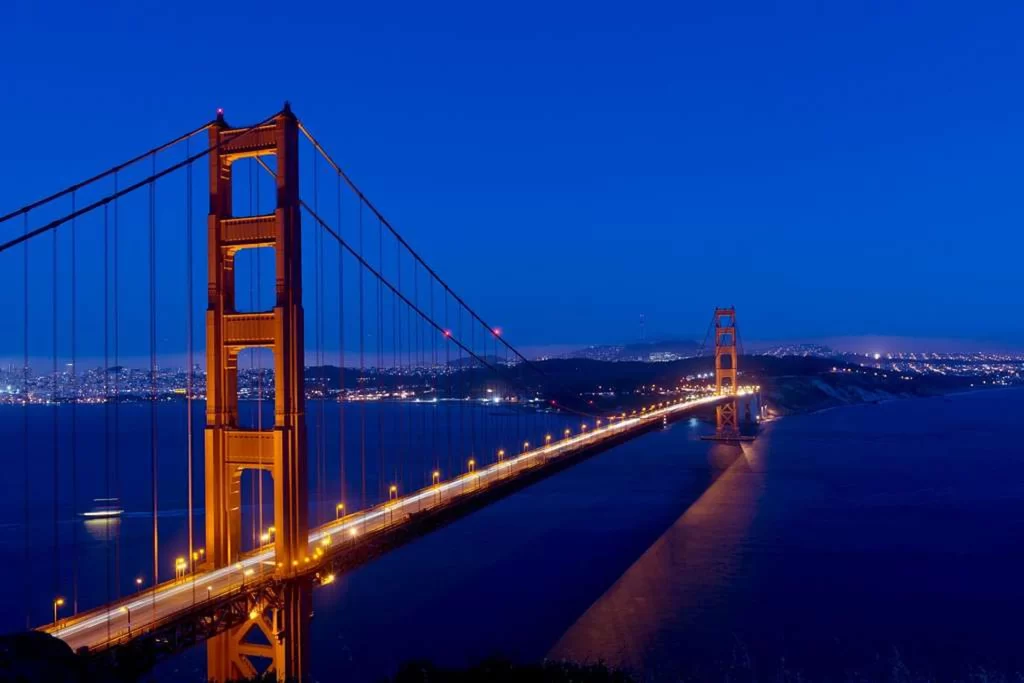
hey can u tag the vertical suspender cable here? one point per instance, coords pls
(472, 406)
(55, 400)
(106, 392)
(433, 382)
(380, 359)
(27, 511)
(253, 306)
(321, 299)
(190, 360)
(396, 363)
(74, 416)
(341, 358)
(419, 350)
(154, 462)
(409, 371)
(259, 379)
(317, 239)
(519, 409)
(448, 380)
(117, 394)
(517, 413)
(362, 397)
(462, 393)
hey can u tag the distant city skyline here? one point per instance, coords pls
(859, 345)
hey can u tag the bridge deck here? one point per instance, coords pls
(135, 615)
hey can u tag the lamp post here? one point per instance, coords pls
(436, 477)
(338, 510)
(138, 584)
(392, 497)
(58, 602)
(180, 566)
(472, 465)
(129, 613)
(501, 459)
(567, 432)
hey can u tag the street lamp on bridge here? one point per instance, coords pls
(392, 497)
(58, 602)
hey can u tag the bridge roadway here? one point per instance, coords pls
(119, 621)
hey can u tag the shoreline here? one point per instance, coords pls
(891, 398)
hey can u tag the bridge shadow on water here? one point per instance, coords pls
(676, 580)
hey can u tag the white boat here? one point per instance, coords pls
(104, 507)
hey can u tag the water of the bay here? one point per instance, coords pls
(851, 539)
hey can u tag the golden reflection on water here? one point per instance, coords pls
(679, 576)
(103, 529)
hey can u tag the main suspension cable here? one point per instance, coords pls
(100, 176)
(363, 199)
(117, 194)
(370, 269)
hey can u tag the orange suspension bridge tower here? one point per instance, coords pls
(231, 449)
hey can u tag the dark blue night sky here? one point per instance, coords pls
(832, 169)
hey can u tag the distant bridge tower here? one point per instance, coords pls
(726, 372)
(230, 449)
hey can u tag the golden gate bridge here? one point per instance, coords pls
(302, 474)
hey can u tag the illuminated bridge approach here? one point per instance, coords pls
(327, 398)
